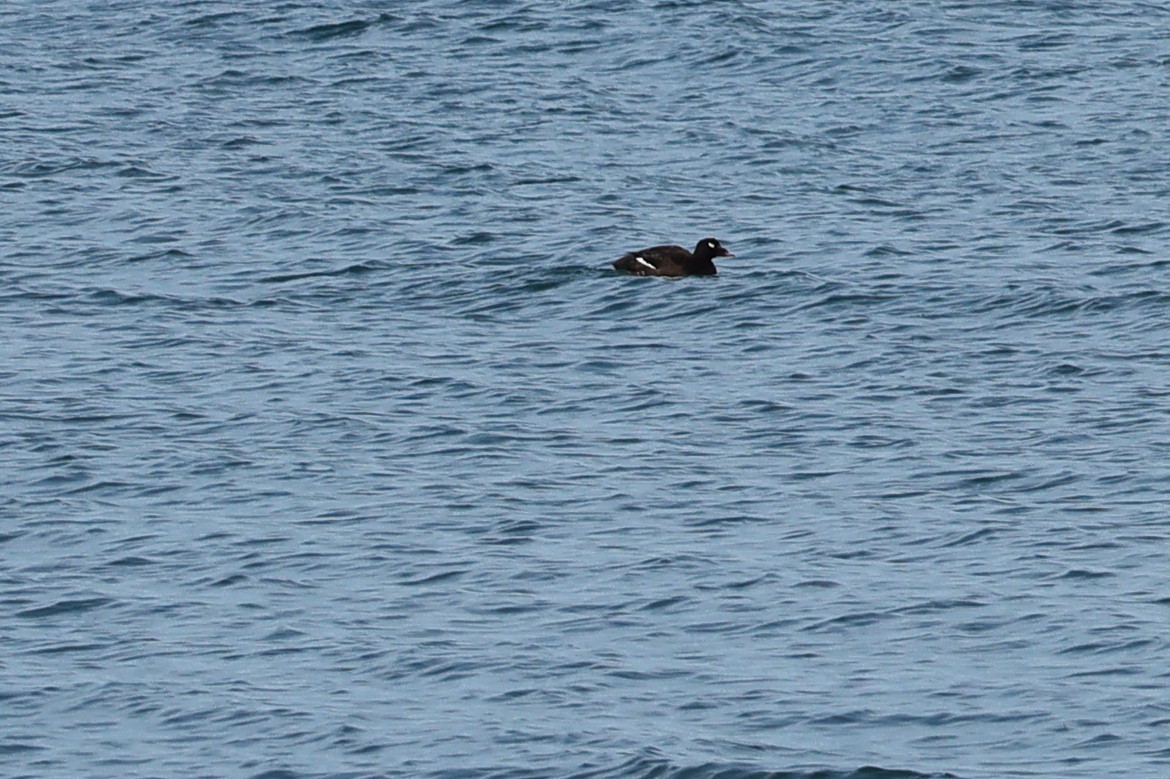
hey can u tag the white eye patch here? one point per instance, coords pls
(710, 245)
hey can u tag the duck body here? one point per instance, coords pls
(673, 260)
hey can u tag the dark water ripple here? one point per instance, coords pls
(332, 447)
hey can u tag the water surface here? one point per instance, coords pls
(332, 447)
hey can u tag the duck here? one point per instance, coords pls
(673, 260)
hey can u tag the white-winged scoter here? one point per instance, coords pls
(674, 260)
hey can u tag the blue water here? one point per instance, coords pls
(332, 446)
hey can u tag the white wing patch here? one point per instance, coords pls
(648, 265)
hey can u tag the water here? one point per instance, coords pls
(331, 446)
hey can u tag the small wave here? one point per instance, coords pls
(655, 767)
(356, 269)
(76, 606)
(329, 31)
(212, 19)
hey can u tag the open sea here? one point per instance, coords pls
(332, 447)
